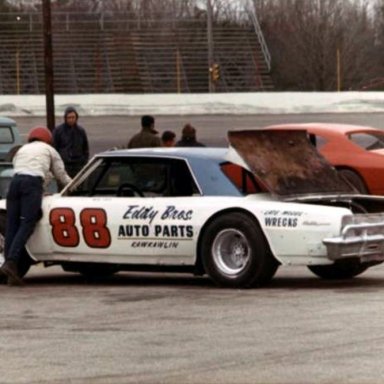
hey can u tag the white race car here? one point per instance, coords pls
(233, 213)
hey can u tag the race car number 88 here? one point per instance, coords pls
(92, 220)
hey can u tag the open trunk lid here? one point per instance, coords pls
(285, 162)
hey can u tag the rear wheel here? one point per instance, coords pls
(345, 269)
(25, 262)
(235, 252)
(353, 178)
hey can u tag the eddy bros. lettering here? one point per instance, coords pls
(137, 212)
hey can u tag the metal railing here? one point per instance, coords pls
(260, 36)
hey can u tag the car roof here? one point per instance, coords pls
(324, 127)
(188, 153)
(204, 161)
(275, 160)
(6, 121)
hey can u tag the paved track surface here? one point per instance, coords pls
(107, 132)
(161, 328)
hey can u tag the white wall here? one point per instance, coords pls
(188, 104)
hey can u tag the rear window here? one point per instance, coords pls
(244, 180)
(6, 135)
(368, 141)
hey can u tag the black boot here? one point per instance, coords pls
(3, 278)
(9, 268)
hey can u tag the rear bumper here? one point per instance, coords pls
(362, 236)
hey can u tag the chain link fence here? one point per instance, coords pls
(115, 53)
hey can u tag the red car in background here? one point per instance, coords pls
(357, 152)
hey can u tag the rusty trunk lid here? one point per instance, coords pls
(285, 162)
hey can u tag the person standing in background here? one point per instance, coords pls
(168, 139)
(71, 141)
(188, 137)
(147, 137)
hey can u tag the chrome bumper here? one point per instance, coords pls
(361, 236)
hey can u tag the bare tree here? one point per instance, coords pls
(305, 36)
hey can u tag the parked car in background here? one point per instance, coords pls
(357, 152)
(10, 141)
(10, 138)
(234, 214)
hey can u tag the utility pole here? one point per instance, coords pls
(48, 64)
(210, 46)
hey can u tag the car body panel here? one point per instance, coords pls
(9, 136)
(337, 147)
(167, 230)
(99, 218)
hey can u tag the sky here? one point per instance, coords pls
(197, 104)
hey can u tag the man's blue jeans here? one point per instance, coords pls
(23, 212)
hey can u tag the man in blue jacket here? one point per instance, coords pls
(71, 141)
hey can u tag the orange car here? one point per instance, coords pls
(357, 152)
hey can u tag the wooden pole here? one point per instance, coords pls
(210, 46)
(48, 64)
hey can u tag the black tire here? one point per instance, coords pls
(235, 252)
(91, 270)
(354, 179)
(26, 261)
(346, 269)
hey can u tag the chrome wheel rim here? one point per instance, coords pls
(231, 251)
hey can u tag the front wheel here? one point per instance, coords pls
(345, 269)
(235, 252)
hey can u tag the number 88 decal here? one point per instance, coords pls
(92, 220)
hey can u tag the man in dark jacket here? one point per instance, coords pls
(188, 137)
(147, 137)
(70, 140)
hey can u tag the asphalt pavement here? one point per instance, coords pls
(106, 132)
(163, 328)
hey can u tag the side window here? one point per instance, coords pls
(181, 182)
(88, 185)
(150, 176)
(116, 174)
(128, 177)
(124, 177)
(6, 135)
